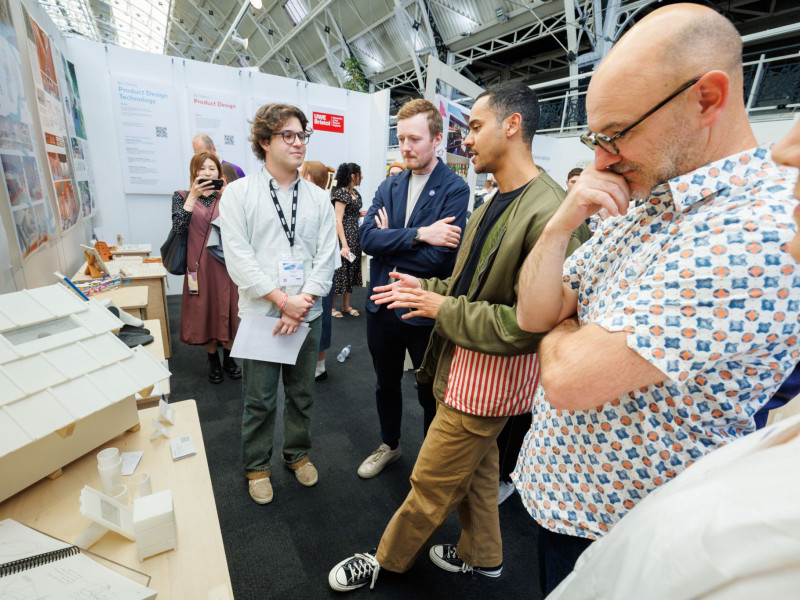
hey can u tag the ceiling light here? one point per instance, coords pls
(242, 42)
(256, 4)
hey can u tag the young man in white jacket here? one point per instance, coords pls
(279, 238)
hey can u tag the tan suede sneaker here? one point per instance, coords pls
(307, 474)
(260, 490)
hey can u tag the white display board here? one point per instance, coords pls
(220, 116)
(146, 119)
(32, 217)
(329, 142)
(78, 142)
(46, 64)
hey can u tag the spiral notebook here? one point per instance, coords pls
(34, 565)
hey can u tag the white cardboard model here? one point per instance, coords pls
(66, 382)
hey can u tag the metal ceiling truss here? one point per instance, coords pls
(556, 24)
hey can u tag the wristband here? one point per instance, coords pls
(285, 298)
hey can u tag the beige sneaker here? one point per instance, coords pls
(378, 460)
(260, 490)
(307, 474)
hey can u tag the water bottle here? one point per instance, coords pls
(344, 353)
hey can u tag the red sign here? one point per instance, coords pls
(326, 122)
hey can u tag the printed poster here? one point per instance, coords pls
(51, 115)
(31, 214)
(79, 145)
(456, 130)
(221, 117)
(146, 116)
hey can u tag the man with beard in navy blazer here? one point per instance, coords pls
(413, 226)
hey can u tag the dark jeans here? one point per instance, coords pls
(260, 406)
(388, 338)
(558, 554)
(510, 441)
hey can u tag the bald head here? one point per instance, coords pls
(685, 58)
(676, 43)
(203, 143)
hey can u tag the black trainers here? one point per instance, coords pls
(445, 557)
(355, 572)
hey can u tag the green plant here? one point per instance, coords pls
(354, 78)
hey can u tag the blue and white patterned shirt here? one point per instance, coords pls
(699, 278)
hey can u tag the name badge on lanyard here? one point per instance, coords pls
(290, 268)
(290, 271)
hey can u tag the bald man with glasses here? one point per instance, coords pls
(676, 323)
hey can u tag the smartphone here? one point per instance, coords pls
(216, 183)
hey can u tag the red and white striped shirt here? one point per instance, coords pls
(492, 386)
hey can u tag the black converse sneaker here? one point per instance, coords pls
(355, 572)
(445, 557)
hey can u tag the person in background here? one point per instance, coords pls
(229, 173)
(209, 313)
(395, 168)
(487, 193)
(279, 234)
(347, 208)
(203, 143)
(726, 537)
(572, 177)
(413, 225)
(322, 175)
(677, 324)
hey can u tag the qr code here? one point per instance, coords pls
(161, 132)
(229, 140)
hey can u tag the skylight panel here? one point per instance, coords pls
(137, 24)
(296, 10)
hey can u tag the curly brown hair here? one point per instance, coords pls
(197, 162)
(419, 106)
(268, 121)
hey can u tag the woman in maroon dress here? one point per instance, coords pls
(209, 313)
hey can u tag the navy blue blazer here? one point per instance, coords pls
(444, 195)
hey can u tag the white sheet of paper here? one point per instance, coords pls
(130, 460)
(254, 340)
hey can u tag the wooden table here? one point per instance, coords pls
(154, 277)
(131, 250)
(130, 298)
(198, 568)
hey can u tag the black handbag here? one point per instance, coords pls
(173, 253)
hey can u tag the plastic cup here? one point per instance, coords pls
(110, 476)
(141, 485)
(108, 457)
(120, 493)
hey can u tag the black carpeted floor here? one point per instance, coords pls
(284, 550)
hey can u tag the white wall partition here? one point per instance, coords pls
(145, 217)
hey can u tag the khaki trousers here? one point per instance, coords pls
(457, 468)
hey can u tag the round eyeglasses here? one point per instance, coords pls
(290, 136)
(593, 140)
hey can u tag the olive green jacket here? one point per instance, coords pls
(485, 320)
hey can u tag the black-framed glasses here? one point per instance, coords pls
(290, 136)
(593, 140)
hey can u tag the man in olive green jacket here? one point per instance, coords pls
(483, 366)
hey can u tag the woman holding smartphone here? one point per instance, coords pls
(209, 308)
(347, 208)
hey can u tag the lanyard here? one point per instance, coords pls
(289, 232)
